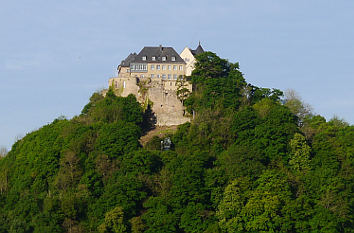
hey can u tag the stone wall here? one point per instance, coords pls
(167, 108)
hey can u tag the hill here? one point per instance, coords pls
(250, 161)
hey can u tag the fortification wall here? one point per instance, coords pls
(167, 108)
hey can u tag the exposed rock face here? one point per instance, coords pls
(166, 106)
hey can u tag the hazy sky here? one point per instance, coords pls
(55, 54)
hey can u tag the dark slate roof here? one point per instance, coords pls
(126, 62)
(198, 50)
(158, 53)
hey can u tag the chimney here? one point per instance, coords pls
(161, 48)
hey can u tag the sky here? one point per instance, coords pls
(55, 54)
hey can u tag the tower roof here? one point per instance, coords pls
(198, 50)
(126, 62)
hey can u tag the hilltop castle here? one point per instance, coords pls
(156, 75)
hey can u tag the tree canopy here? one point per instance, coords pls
(248, 162)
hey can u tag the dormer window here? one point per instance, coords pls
(173, 58)
(144, 58)
(163, 58)
(153, 58)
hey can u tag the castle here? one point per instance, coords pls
(157, 77)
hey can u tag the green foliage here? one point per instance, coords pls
(300, 154)
(182, 90)
(113, 222)
(216, 82)
(248, 162)
(118, 138)
(113, 108)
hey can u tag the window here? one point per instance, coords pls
(116, 84)
(180, 67)
(141, 76)
(169, 76)
(163, 67)
(169, 67)
(175, 76)
(152, 75)
(170, 83)
(163, 58)
(164, 76)
(144, 67)
(153, 58)
(158, 67)
(174, 67)
(186, 59)
(152, 67)
(173, 58)
(144, 58)
(123, 84)
(158, 76)
(128, 70)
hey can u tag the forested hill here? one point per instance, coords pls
(250, 161)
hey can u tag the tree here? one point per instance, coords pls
(182, 90)
(300, 154)
(137, 225)
(4, 180)
(256, 210)
(297, 106)
(69, 172)
(3, 152)
(113, 222)
(231, 206)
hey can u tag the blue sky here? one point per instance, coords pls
(55, 54)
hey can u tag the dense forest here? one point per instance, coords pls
(251, 160)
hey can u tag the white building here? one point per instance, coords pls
(188, 55)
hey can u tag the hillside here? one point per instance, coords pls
(250, 161)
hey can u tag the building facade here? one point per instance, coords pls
(188, 55)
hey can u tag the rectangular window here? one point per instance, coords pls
(164, 76)
(152, 67)
(153, 58)
(128, 70)
(158, 67)
(163, 67)
(158, 76)
(180, 67)
(141, 76)
(173, 58)
(152, 75)
(174, 67)
(145, 67)
(144, 58)
(169, 67)
(169, 76)
(175, 76)
(170, 83)
(163, 58)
